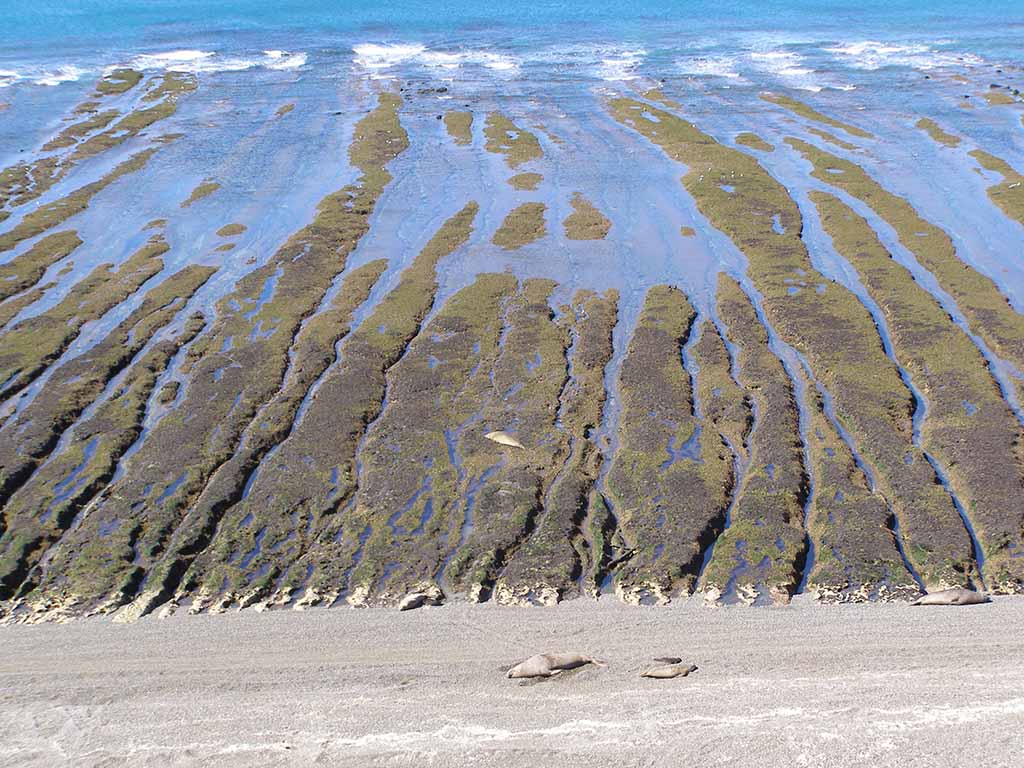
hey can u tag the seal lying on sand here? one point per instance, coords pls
(953, 596)
(668, 659)
(668, 671)
(428, 595)
(550, 664)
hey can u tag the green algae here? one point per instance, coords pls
(809, 113)
(504, 137)
(669, 479)
(171, 85)
(1009, 193)
(526, 181)
(969, 427)
(762, 550)
(560, 557)
(585, 222)
(284, 109)
(30, 346)
(119, 81)
(203, 189)
(460, 127)
(997, 98)
(827, 324)
(986, 309)
(235, 368)
(41, 510)
(523, 225)
(833, 139)
(658, 95)
(129, 126)
(687, 231)
(754, 141)
(230, 230)
(225, 247)
(934, 130)
(312, 353)
(25, 270)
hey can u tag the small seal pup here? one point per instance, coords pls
(953, 596)
(668, 659)
(668, 671)
(503, 438)
(551, 664)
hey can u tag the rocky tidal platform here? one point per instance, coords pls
(745, 343)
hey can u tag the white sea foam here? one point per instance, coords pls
(66, 73)
(873, 54)
(196, 61)
(183, 59)
(284, 60)
(621, 66)
(374, 56)
(710, 66)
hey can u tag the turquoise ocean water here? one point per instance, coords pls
(50, 41)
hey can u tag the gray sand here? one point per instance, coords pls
(806, 685)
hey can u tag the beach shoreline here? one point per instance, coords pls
(804, 684)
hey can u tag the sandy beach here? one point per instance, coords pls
(803, 685)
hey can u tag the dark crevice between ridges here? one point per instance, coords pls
(74, 385)
(767, 531)
(63, 486)
(291, 507)
(552, 561)
(671, 474)
(730, 410)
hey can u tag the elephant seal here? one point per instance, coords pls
(668, 659)
(668, 671)
(504, 438)
(551, 664)
(953, 596)
(432, 595)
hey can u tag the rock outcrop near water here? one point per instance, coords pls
(727, 355)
